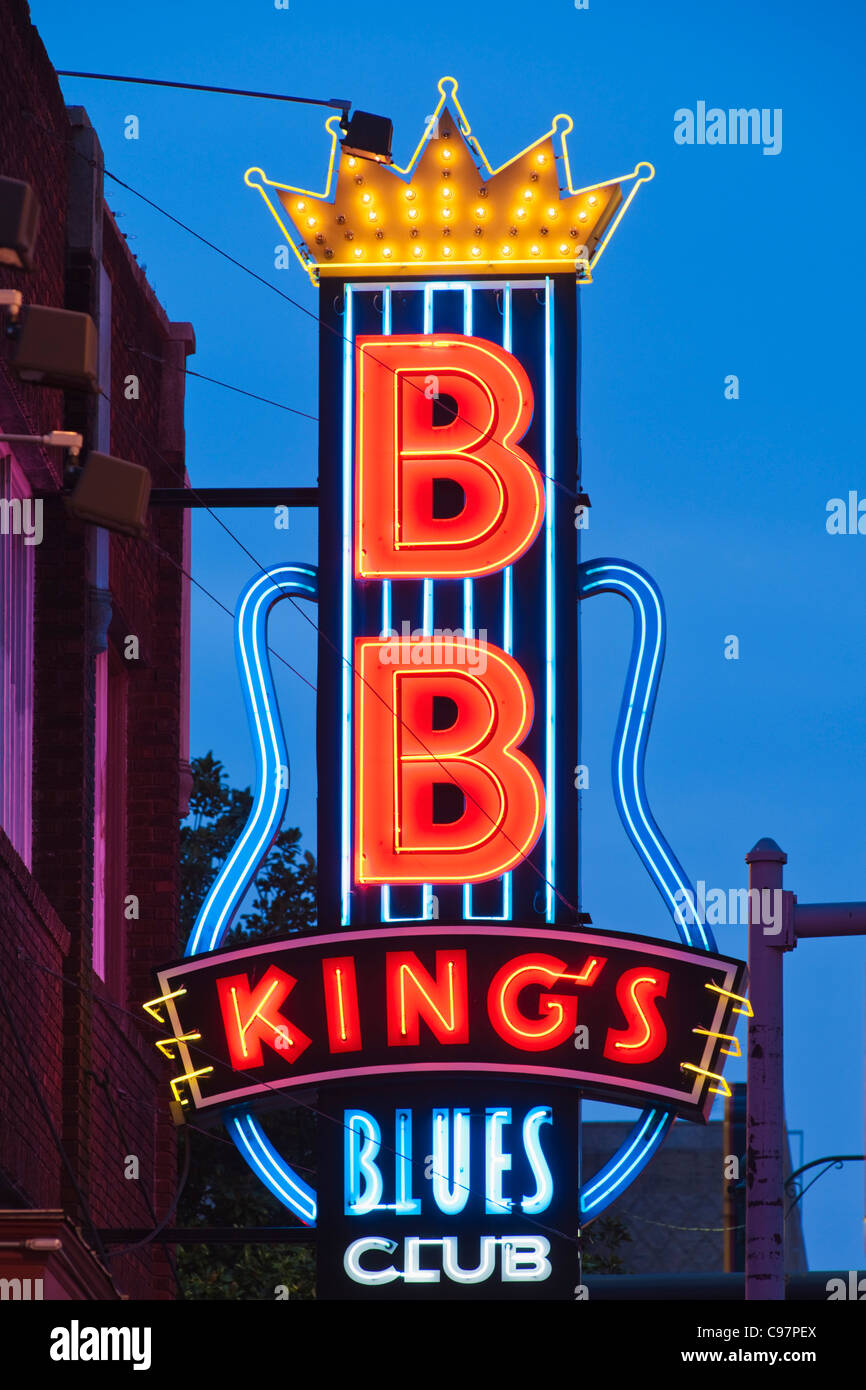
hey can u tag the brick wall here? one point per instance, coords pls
(29, 1159)
(89, 1045)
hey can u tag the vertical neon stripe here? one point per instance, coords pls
(427, 610)
(507, 585)
(550, 575)
(385, 892)
(507, 645)
(386, 607)
(346, 815)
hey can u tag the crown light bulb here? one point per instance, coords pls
(592, 201)
(476, 251)
(446, 250)
(446, 153)
(521, 212)
(446, 192)
(311, 221)
(506, 250)
(413, 213)
(446, 213)
(409, 195)
(551, 212)
(527, 194)
(581, 217)
(365, 197)
(372, 216)
(534, 250)
(386, 252)
(358, 251)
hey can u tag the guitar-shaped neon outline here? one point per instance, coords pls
(271, 799)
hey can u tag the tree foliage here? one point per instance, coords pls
(284, 891)
(221, 1190)
(601, 1242)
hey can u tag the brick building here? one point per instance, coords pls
(93, 701)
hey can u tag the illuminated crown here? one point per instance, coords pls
(448, 209)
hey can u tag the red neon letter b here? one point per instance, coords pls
(402, 453)
(402, 760)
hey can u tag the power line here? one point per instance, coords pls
(186, 371)
(166, 556)
(669, 1226)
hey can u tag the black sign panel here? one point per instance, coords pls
(623, 1018)
(448, 1189)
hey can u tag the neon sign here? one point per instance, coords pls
(450, 1189)
(622, 1018)
(454, 963)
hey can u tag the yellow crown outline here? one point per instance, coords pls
(521, 220)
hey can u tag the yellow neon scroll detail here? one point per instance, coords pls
(187, 1076)
(165, 1043)
(733, 1051)
(151, 1006)
(740, 998)
(723, 1089)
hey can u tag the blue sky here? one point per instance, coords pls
(731, 261)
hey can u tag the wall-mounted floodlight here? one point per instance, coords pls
(19, 223)
(55, 347)
(112, 493)
(369, 137)
(108, 492)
